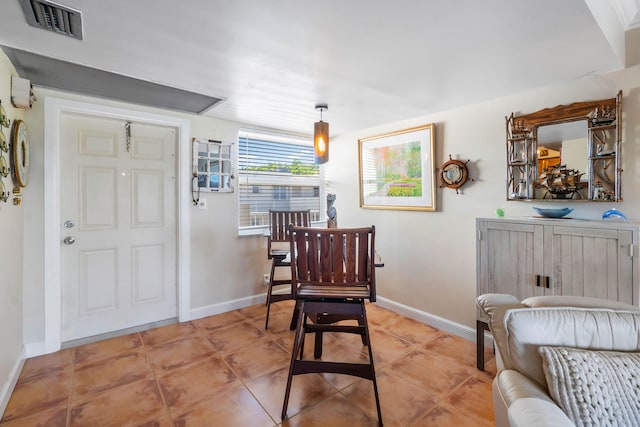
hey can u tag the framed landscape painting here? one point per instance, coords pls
(397, 170)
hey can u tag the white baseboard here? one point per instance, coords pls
(222, 307)
(10, 384)
(430, 319)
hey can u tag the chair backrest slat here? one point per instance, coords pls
(363, 256)
(279, 225)
(279, 222)
(338, 260)
(333, 257)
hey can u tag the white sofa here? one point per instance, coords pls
(542, 364)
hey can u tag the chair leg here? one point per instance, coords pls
(480, 328)
(362, 322)
(297, 343)
(317, 350)
(304, 334)
(373, 372)
(270, 288)
(294, 316)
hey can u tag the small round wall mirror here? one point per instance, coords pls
(454, 174)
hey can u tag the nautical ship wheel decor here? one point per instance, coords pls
(454, 174)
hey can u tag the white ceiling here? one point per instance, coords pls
(371, 61)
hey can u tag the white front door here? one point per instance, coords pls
(118, 224)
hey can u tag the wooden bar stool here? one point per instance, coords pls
(279, 233)
(333, 274)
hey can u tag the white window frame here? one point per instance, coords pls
(318, 217)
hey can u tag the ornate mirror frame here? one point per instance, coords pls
(601, 180)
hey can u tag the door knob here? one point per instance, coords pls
(69, 240)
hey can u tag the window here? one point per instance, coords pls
(275, 172)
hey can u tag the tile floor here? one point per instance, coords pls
(226, 370)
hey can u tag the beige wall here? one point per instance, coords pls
(11, 257)
(429, 256)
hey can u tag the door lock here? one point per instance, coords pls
(69, 240)
(69, 224)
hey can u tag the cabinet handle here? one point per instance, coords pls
(546, 281)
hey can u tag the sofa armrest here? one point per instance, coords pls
(492, 309)
(532, 412)
(513, 386)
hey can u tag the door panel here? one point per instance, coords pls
(98, 266)
(147, 198)
(592, 263)
(121, 270)
(510, 259)
(98, 199)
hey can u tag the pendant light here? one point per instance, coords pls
(321, 138)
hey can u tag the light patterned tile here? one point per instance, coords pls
(455, 348)
(233, 406)
(118, 370)
(211, 323)
(38, 394)
(388, 347)
(131, 404)
(91, 353)
(180, 353)
(441, 416)
(227, 340)
(306, 391)
(413, 331)
(436, 374)
(465, 399)
(49, 364)
(166, 334)
(336, 411)
(401, 402)
(183, 387)
(279, 322)
(257, 358)
(54, 417)
(254, 311)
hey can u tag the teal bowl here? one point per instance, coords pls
(553, 213)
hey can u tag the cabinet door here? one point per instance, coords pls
(509, 258)
(590, 262)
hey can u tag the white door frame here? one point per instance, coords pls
(53, 109)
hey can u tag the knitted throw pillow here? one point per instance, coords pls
(594, 388)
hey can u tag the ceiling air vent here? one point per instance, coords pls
(54, 17)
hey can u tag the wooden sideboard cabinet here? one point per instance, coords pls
(531, 257)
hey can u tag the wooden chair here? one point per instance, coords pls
(332, 274)
(279, 233)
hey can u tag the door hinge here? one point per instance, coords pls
(632, 250)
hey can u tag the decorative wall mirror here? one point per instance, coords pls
(212, 166)
(568, 152)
